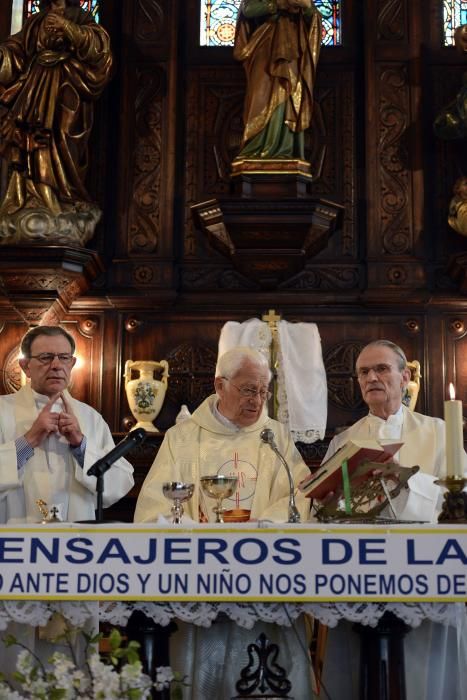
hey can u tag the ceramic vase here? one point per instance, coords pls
(145, 392)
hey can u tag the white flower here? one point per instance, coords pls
(164, 675)
(6, 693)
(133, 678)
(95, 681)
(25, 662)
(106, 682)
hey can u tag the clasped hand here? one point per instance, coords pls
(48, 422)
(57, 24)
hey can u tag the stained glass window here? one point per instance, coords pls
(454, 15)
(218, 18)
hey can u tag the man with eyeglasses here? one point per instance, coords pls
(434, 650)
(383, 377)
(223, 437)
(49, 440)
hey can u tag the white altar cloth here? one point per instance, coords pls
(426, 653)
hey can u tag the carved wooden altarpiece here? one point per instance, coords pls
(270, 226)
(38, 284)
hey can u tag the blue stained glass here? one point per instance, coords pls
(454, 15)
(91, 6)
(218, 18)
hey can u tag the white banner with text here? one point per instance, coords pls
(287, 563)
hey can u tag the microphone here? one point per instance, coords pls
(267, 436)
(135, 437)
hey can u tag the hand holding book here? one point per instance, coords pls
(328, 478)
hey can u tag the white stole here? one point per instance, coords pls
(48, 474)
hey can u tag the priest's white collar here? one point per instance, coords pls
(222, 419)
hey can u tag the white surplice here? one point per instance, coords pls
(435, 653)
(52, 473)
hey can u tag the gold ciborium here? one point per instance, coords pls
(219, 487)
(177, 491)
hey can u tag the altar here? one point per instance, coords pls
(246, 574)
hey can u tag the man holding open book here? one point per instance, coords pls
(383, 376)
(435, 654)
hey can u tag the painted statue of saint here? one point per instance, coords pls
(278, 42)
(51, 72)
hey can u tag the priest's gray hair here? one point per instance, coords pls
(400, 354)
(230, 362)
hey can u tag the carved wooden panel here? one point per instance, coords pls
(394, 234)
(214, 276)
(144, 216)
(324, 277)
(150, 23)
(455, 334)
(391, 20)
(192, 369)
(343, 388)
(332, 144)
(214, 127)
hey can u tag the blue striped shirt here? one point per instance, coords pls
(24, 451)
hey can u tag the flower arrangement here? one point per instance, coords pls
(119, 676)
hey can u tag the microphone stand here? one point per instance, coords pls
(294, 515)
(99, 474)
(102, 465)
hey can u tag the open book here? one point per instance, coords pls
(329, 475)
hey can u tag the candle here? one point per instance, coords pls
(454, 435)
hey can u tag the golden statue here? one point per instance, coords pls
(50, 74)
(278, 42)
(457, 218)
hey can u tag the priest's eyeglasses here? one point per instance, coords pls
(46, 358)
(381, 370)
(249, 393)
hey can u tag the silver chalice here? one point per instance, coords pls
(219, 487)
(177, 491)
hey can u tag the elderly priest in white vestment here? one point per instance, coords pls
(223, 437)
(436, 655)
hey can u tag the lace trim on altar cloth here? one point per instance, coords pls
(307, 436)
(37, 613)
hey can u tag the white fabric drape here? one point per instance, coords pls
(252, 333)
(305, 380)
(301, 377)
